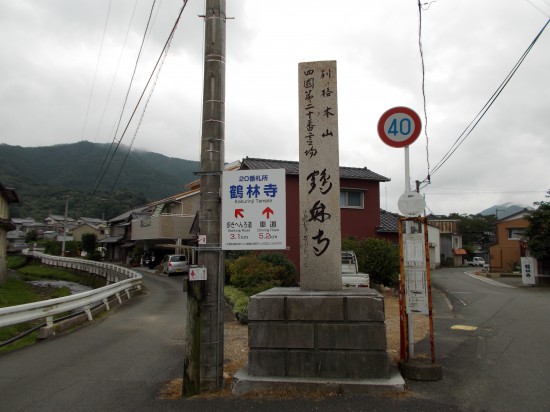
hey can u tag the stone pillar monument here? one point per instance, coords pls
(320, 239)
(319, 337)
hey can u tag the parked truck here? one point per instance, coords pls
(476, 261)
(351, 277)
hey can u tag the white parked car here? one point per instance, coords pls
(175, 264)
(476, 261)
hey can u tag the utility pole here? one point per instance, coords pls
(204, 363)
(65, 225)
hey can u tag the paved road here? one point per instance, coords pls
(502, 365)
(121, 362)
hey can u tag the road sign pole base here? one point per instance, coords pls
(421, 370)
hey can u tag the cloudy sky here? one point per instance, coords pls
(66, 65)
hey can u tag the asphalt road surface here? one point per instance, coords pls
(122, 361)
(118, 362)
(494, 344)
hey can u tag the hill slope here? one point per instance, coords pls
(49, 172)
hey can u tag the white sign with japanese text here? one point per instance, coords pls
(197, 273)
(254, 210)
(416, 284)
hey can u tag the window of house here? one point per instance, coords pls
(351, 199)
(516, 233)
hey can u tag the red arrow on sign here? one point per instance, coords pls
(267, 211)
(239, 212)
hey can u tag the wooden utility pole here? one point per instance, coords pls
(204, 363)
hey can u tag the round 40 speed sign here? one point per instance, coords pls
(399, 126)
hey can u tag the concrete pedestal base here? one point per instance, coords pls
(335, 340)
(421, 370)
(244, 384)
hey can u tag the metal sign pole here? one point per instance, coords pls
(408, 227)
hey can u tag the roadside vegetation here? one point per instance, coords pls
(247, 274)
(377, 257)
(18, 290)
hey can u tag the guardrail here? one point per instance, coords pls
(119, 279)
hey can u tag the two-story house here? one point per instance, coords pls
(359, 201)
(511, 243)
(169, 225)
(450, 248)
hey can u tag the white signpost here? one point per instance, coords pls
(529, 270)
(254, 210)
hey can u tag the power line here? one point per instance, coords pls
(95, 72)
(142, 114)
(105, 164)
(166, 45)
(487, 105)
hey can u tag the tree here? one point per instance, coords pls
(538, 230)
(89, 241)
(31, 236)
(476, 229)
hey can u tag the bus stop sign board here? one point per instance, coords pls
(254, 210)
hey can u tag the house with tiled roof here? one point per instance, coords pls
(389, 230)
(359, 200)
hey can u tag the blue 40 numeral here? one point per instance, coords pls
(404, 127)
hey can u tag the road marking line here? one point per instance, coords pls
(463, 327)
(489, 281)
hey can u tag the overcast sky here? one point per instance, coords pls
(66, 65)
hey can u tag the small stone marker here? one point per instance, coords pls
(320, 233)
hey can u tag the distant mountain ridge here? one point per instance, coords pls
(78, 166)
(504, 210)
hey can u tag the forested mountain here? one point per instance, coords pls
(43, 177)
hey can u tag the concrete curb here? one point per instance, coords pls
(243, 384)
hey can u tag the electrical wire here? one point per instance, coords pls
(468, 130)
(144, 89)
(106, 163)
(95, 72)
(116, 70)
(142, 115)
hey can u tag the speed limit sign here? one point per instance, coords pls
(399, 127)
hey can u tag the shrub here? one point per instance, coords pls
(287, 276)
(238, 300)
(377, 257)
(252, 275)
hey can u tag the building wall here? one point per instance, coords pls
(163, 227)
(507, 252)
(81, 230)
(434, 247)
(360, 223)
